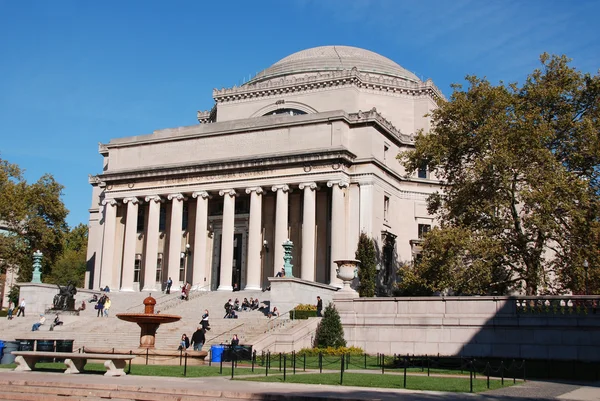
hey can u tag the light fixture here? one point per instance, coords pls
(186, 252)
(266, 245)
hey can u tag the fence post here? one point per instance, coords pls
(382, 363)
(342, 371)
(221, 365)
(185, 366)
(233, 358)
(524, 377)
(131, 353)
(405, 363)
(280, 361)
(365, 360)
(514, 365)
(488, 368)
(294, 356)
(502, 372)
(284, 365)
(146, 356)
(304, 363)
(471, 375)
(253, 360)
(320, 362)
(267, 366)
(427, 366)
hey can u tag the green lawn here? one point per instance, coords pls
(386, 381)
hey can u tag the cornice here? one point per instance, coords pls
(285, 85)
(339, 155)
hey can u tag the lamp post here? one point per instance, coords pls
(586, 265)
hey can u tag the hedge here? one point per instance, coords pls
(302, 314)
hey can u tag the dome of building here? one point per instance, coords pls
(334, 58)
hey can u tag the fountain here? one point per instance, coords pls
(148, 321)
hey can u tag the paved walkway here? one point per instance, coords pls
(533, 390)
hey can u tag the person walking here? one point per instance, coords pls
(198, 339)
(169, 284)
(107, 304)
(9, 314)
(21, 308)
(100, 306)
(319, 307)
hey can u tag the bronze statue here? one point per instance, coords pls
(65, 300)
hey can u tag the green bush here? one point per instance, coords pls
(367, 271)
(330, 332)
(302, 314)
(331, 351)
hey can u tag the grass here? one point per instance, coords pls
(458, 384)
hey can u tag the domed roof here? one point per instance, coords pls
(334, 58)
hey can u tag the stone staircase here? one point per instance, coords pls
(90, 331)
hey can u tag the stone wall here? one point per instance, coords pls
(557, 328)
(287, 292)
(39, 297)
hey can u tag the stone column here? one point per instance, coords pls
(130, 242)
(107, 275)
(338, 228)
(227, 239)
(254, 239)
(309, 214)
(200, 267)
(281, 225)
(151, 256)
(175, 240)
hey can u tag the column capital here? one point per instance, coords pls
(132, 199)
(154, 198)
(310, 185)
(258, 190)
(340, 183)
(282, 187)
(202, 194)
(110, 202)
(230, 192)
(178, 197)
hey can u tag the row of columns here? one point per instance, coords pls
(308, 253)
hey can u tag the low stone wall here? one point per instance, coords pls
(557, 328)
(39, 297)
(287, 292)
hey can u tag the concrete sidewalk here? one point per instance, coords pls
(221, 387)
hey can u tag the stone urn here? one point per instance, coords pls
(346, 271)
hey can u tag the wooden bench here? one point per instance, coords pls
(114, 363)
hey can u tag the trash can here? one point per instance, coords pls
(216, 352)
(1, 348)
(45, 346)
(63, 346)
(9, 347)
(26, 345)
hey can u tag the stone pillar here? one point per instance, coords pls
(200, 267)
(281, 225)
(338, 228)
(130, 242)
(309, 213)
(227, 239)
(107, 275)
(175, 240)
(254, 239)
(151, 256)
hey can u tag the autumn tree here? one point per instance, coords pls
(520, 201)
(33, 217)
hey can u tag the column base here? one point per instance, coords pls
(252, 288)
(148, 289)
(225, 288)
(125, 289)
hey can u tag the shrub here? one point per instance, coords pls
(331, 351)
(302, 314)
(305, 307)
(330, 332)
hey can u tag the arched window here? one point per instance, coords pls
(291, 112)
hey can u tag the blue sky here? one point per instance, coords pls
(75, 73)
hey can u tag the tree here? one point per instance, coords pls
(520, 202)
(34, 219)
(71, 264)
(367, 271)
(330, 332)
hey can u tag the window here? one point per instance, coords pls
(422, 173)
(162, 221)
(182, 268)
(137, 267)
(423, 230)
(288, 111)
(386, 208)
(184, 221)
(140, 219)
(159, 268)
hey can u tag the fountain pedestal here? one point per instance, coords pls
(148, 321)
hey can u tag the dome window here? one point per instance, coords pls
(288, 111)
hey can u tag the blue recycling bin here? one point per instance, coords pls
(1, 348)
(216, 353)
